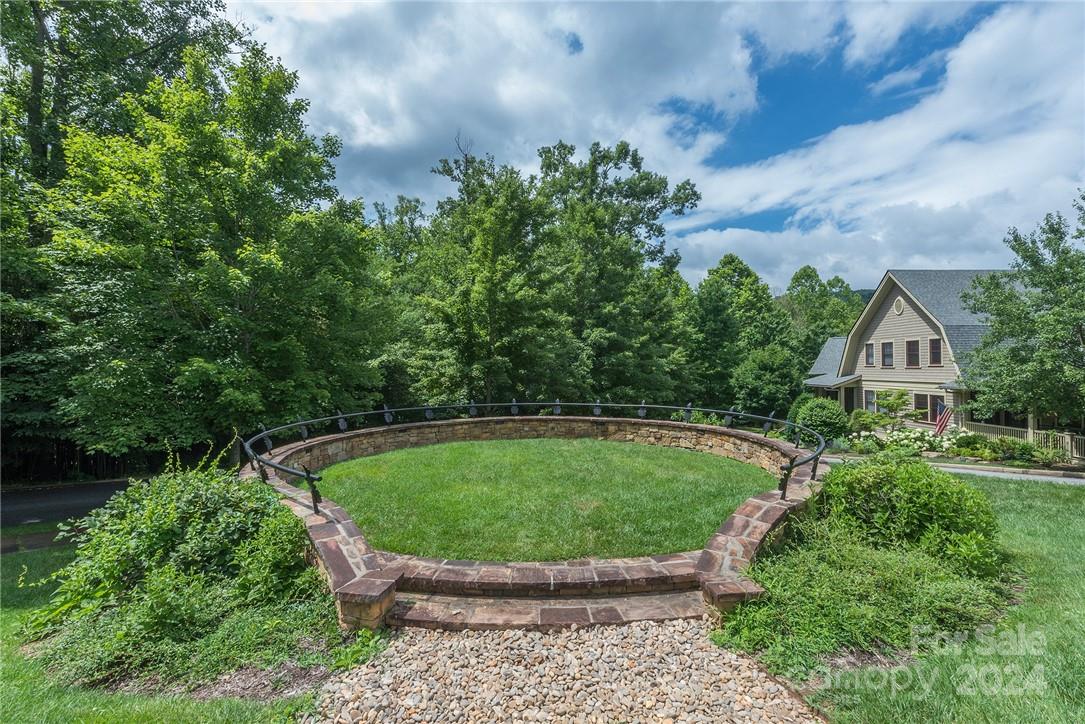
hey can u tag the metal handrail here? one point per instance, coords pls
(473, 410)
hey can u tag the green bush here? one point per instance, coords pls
(894, 501)
(824, 416)
(971, 440)
(184, 576)
(797, 405)
(830, 591)
(1007, 448)
(1049, 457)
(864, 421)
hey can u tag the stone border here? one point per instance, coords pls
(364, 581)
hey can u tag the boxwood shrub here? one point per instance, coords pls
(824, 416)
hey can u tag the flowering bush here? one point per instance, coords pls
(913, 438)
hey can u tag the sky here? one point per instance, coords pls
(855, 137)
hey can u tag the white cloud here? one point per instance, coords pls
(1001, 142)
(998, 141)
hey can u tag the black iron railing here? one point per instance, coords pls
(303, 429)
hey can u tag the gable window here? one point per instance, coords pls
(868, 400)
(887, 354)
(934, 358)
(869, 354)
(911, 353)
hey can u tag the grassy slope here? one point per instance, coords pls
(541, 499)
(1043, 526)
(27, 696)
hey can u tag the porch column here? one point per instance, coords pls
(1031, 425)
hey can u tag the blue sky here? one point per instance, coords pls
(856, 137)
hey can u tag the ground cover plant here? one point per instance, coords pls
(29, 693)
(182, 578)
(541, 499)
(836, 600)
(1036, 672)
(889, 546)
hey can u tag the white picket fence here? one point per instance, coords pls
(1073, 445)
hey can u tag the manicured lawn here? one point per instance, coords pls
(1042, 525)
(541, 499)
(26, 695)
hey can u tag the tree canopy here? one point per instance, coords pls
(1033, 357)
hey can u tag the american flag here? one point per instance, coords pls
(945, 414)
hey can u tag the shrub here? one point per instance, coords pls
(864, 443)
(185, 576)
(824, 416)
(1049, 457)
(829, 591)
(899, 502)
(865, 421)
(971, 440)
(1007, 448)
(797, 405)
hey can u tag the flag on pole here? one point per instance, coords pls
(945, 414)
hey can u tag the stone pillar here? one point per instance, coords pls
(365, 602)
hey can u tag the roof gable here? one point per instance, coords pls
(939, 292)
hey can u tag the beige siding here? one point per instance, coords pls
(886, 325)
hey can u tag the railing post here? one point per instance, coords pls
(265, 438)
(314, 494)
(814, 470)
(786, 477)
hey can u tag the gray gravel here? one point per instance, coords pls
(639, 672)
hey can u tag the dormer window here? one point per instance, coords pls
(934, 358)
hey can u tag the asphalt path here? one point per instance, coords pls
(55, 503)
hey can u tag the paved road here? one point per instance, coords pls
(36, 505)
(1012, 476)
(968, 470)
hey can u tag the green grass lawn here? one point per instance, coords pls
(541, 499)
(27, 696)
(1042, 525)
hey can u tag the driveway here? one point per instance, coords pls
(55, 503)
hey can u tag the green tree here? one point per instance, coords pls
(735, 315)
(819, 310)
(767, 380)
(490, 326)
(1033, 357)
(608, 236)
(203, 290)
(67, 65)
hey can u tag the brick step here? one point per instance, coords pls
(580, 578)
(482, 613)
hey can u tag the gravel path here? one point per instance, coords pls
(639, 672)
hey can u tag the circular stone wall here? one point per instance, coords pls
(364, 581)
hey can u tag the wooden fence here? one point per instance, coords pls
(1073, 445)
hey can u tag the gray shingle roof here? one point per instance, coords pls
(828, 361)
(939, 291)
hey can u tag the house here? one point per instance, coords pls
(914, 334)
